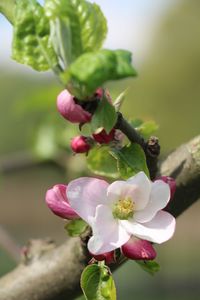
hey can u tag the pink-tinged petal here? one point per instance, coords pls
(171, 182)
(160, 229)
(70, 110)
(85, 194)
(142, 186)
(138, 249)
(159, 197)
(57, 201)
(108, 234)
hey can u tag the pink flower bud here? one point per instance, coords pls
(70, 110)
(171, 182)
(57, 201)
(103, 137)
(109, 257)
(99, 93)
(138, 249)
(79, 144)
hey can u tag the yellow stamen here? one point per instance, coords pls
(123, 209)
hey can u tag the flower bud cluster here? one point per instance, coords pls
(72, 110)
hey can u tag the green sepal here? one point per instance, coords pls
(76, 227)
(104, 117)
(149, 266)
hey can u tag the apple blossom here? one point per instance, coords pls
(122, 209)
(79, 144)
(71, 111)
(57, 201)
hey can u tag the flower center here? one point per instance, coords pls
(123, 209)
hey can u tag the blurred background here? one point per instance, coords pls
(164, 37)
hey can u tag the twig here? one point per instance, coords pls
(151, 147)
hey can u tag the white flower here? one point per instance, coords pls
(122, 209)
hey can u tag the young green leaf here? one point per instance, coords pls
(86, 26)
(104, 117)
(150, 266)
(93, 69)
(119, 100)
(61, 39)
(145, 129)
(101, 162)
(76, 227)
(131, 160)
(97, 283)
(7, 8)
(31, 41)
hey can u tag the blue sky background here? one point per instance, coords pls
(132, 25)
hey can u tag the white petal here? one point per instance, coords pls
(108, 234)
(143, 184)
(159, 197)
(85, 194)
(116, 190)
(160, 229)
(137, 188)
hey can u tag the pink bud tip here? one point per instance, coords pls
(138, 249)
(57, 201)
(109, 257)
(70, 110)
(171, 182)
(99, 93)
(103, 137)
(79, 144)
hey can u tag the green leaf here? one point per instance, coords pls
(102, 163)
(131, 160)
(145, 129)
(93, 69)
(104, 117)
(61, 39)
(7, 8)
(76, 227)
(97, 283)
(123, 64)
(31, 41)
(150, 266)
(120, 100)
(87, 26)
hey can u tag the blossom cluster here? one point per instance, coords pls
(129, 215)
